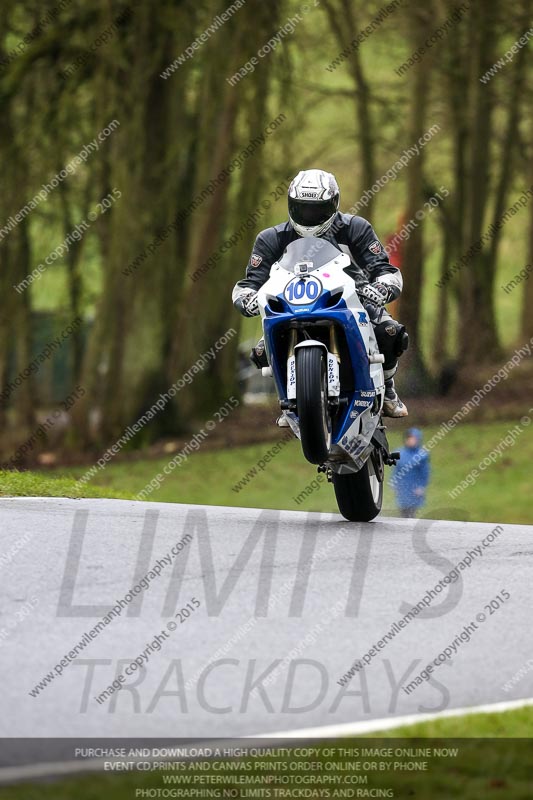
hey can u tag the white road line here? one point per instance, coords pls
(65, 768)
(371, 725)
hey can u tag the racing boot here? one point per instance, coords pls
(392, 405)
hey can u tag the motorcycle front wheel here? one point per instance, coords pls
(360, 494)
(312, 403)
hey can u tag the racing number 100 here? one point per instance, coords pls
(297, 290)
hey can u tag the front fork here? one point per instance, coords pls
(333, 342)
(333, 363)
(334, 352)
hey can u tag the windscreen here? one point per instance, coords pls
(310, 248)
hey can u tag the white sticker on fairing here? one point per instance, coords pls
(291, 378)
(334, 384)
(353, 445)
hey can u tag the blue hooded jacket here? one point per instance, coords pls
(412, 472)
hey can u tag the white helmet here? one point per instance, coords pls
(313, 202)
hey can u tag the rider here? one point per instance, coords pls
(314, 211)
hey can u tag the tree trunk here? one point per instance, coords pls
(125, 342)
(15, 306)
(344, 19)
(205, 310)
(478, 336)
(441, 328)
(414, 376)
(527, 296)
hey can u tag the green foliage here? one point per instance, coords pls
(47, 484)
(501, 494)
(180, 128)
(483, 766)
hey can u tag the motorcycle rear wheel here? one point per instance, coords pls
(312, 403)
(360, 494)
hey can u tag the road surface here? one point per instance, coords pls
(290, 596)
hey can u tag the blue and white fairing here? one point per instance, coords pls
(309, 284)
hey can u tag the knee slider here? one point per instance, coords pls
(402, 341)
(392, 337)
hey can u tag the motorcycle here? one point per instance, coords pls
(327, 368)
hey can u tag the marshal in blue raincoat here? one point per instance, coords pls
(411, 475)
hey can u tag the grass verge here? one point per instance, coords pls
(240, 476)
(484, 766)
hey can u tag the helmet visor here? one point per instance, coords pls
(310, 212)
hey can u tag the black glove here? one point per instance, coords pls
(377, 293)
(247, 304)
